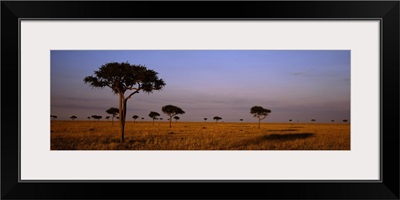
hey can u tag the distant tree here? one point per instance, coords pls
(97, 117)
(73, 117)
(154, 115)
(113, 112)
(107, 117)
(88, 118)
(241, 120)
(313, 120)
(176, 118)
(172, 111)
(259, 112)
(345, 120)
(332, 120)
(290, 120)
(53, 116)
(142, 118)
(122, 77)
(161, 118)
(135, 117)
(205, 119)
(117, 117)
(216, 118)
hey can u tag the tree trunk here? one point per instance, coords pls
(259, 120)
(122, 104)
(170, 120)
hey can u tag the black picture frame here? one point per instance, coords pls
(386, 11)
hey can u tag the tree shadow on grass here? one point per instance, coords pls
(288, 136)
(272, 138)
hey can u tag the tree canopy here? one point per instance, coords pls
(216, 118)
(98, 117)
(73, 117)
(123, 77)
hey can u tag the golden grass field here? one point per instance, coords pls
(102, 135)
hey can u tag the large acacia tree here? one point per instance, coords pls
(172, 111)
(259, 112)
(122, 78)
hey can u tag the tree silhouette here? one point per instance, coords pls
(216, 118)
(313, 120)
(290, 120)
(259, 112)
(73, 117)
(96, 117)
(171, 111)
(107, 117)
(154, 115)
(332, 120)
(88, 118)
(53, 116)
(241, 120)
(142, 118)
(114, 112)
(176, 118)
(205, 119)
(134, 118)
(345, 120)
(122, 77)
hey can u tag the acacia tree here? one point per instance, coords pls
(345, 120)
(53, 116)
(153, 115)
(107, 117)
(96, 117)
(134, 118)
(241, 120)
(205, 119)
(88, 118)
(259, 112)
(172, 111)
(114, 112)
(332, 120)
(176, 118)
(123, 77)
(73, 117)
(313, 120)
(216, 118)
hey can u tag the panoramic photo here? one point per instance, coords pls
(200, 100)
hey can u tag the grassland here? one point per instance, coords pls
(102, 135)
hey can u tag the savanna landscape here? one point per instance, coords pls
(200, 100)
(102, 135)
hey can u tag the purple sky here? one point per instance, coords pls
(297, 84)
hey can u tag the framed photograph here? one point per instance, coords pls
(114, 98)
